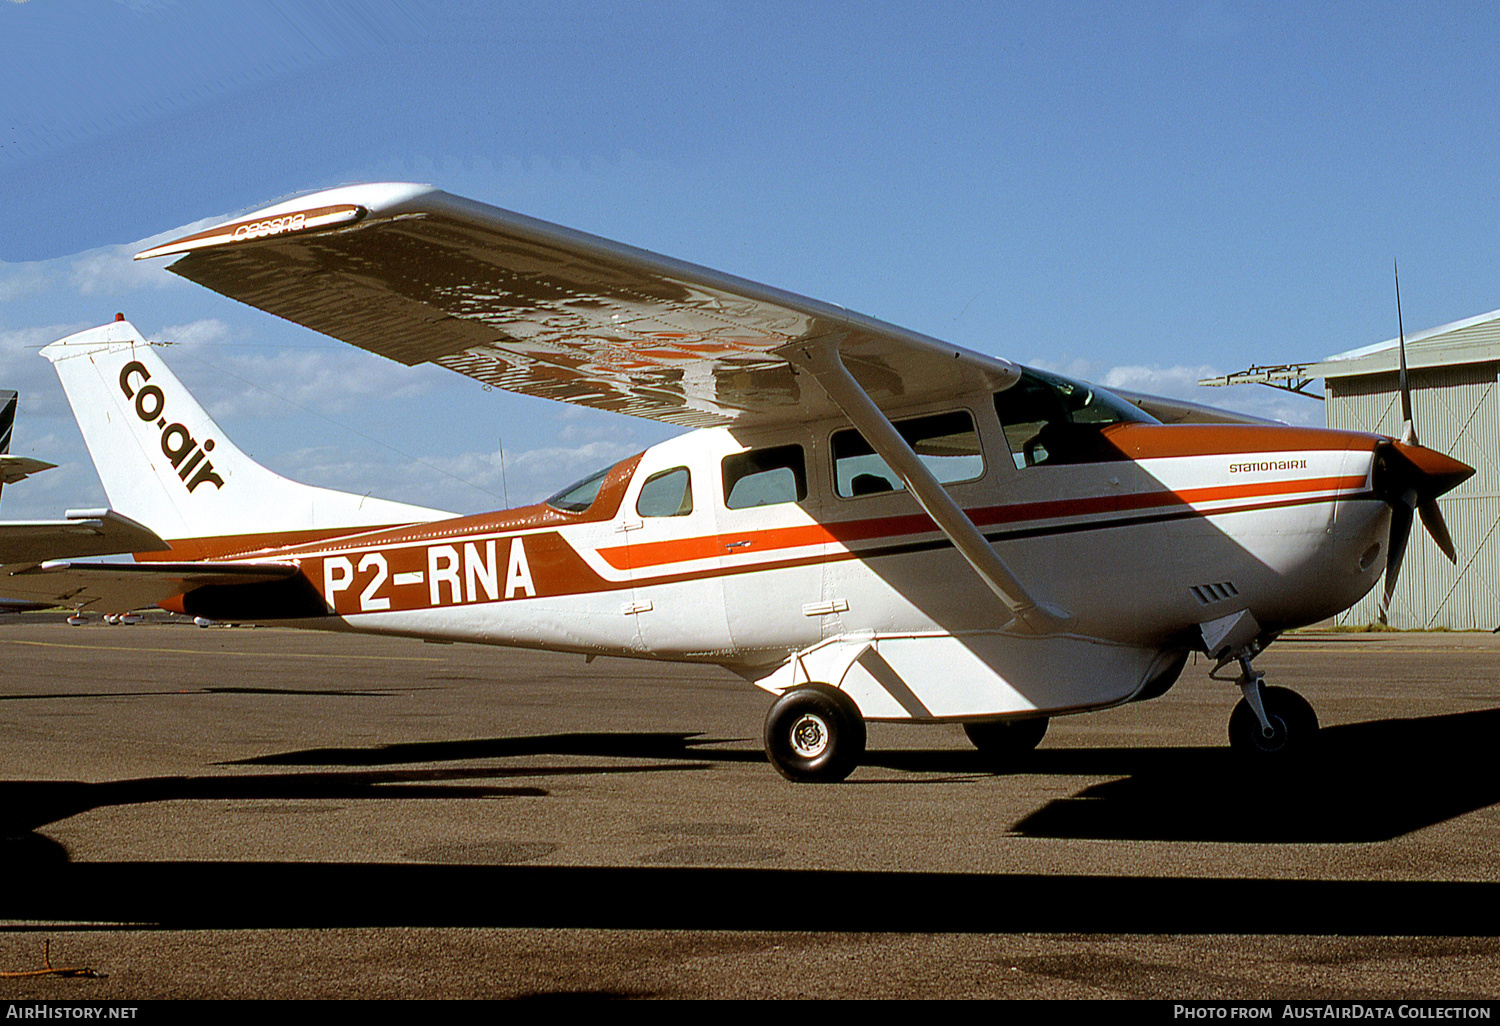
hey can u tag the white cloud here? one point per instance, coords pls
(1181, 382)
(24, 370)
(241, 382)
(113, 271)
(19, 280)
(465, 481)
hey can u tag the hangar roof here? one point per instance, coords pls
(1471, 340)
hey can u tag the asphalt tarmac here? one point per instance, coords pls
(260, 813)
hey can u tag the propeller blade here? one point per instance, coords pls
(1408, 422)
(1401, 514)
(1432, 519)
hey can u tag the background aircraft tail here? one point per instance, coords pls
(7, 423)
(14, 468)
(164, 462)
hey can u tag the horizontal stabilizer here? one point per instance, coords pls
(85, 532)
(18, 468)
(122, 587)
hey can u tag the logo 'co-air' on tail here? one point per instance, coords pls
(177, 443)
(163, 461)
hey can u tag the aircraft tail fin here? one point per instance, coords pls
(8, 400)
(164, 462)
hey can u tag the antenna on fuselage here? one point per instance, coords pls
(504, 484)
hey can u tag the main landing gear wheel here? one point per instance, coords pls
(1006, 740)
(815, 734)
(1294, 724)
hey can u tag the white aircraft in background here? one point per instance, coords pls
(871, 524)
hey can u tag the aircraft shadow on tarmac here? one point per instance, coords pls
(327, 895)
(1367, 782)
(26, 805)
(1370, 781)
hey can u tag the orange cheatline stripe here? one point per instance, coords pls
(683, 550)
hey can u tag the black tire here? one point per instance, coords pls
(1007, 740)
(815, 734)
(1293, 720)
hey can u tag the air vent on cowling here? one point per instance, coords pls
(1211, 593)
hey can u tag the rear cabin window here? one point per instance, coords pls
(668, 494)
(1050, 420)
(946, 443)
(765, 477)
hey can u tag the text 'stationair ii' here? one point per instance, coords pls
(871, 524)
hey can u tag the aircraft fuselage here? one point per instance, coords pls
(1140, 533)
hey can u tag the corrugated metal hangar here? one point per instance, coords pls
(1452, 372)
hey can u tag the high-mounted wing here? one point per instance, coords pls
(418, 275)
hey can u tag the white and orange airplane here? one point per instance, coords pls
(870, 524)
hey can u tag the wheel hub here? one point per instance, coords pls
(1275, 739)
(810, 736)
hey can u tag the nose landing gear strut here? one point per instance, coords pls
(1268, 721)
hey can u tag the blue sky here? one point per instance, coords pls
(1138, 194)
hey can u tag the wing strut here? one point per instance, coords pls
(821, 359)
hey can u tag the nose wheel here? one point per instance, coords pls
(1289, 728)
(814, 734)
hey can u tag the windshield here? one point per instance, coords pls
(1089, 404)
(1051, 419)
(579, 496)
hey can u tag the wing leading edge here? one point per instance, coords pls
(419, 275)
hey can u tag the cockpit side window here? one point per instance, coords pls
(667, 494)
(765, 477)
(1051, 420)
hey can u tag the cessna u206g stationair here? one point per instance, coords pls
(870, 524)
